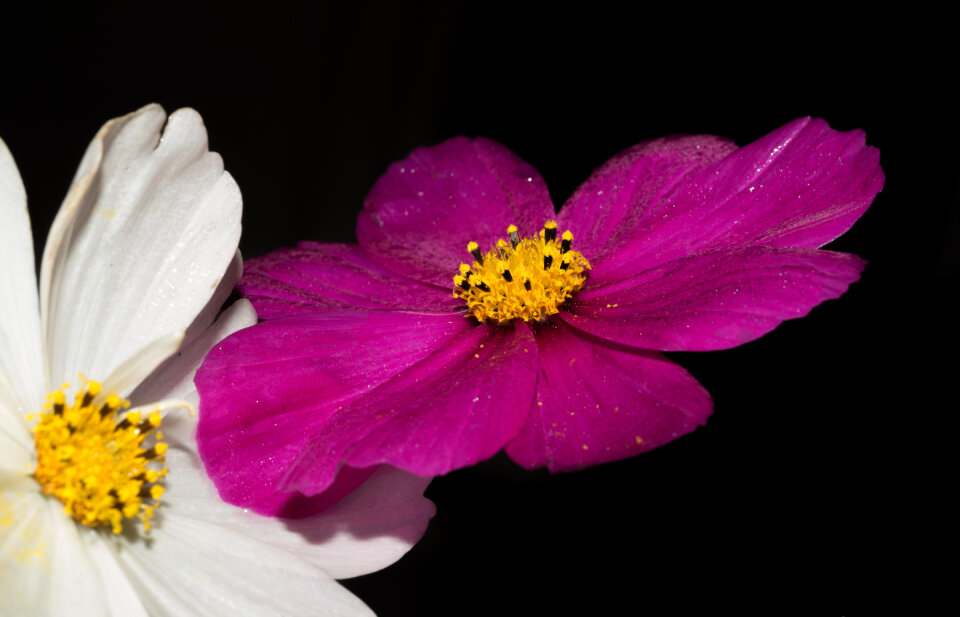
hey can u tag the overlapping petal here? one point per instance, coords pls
(139, 260)
(170, 216)
(277, 383)
(422, 213)
(364, 531)
(625, 198)
(454, 408)
(210, 566)
(714, 300)
(802, 185)
(316, 277)
(598, 402)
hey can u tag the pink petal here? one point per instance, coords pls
(597, 403)
(318, 277)
(422, 213)
(802, 185)
(265, 390)
(714, 300)
(624, 198)
(453, 409)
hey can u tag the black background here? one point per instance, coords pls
(818, 481)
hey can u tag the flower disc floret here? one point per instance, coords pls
(527, 278)
(93, 463)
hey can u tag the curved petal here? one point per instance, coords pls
(265, 390)
(217, 571)
(22, 381)
(140, 243)
(421, 214)
(454, 408)
(318, 277)
(802, 185)
(714, 300)
(597, 403)
(624, 197)
(367, 530)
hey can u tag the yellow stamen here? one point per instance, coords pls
(525, 277)
(95, 465)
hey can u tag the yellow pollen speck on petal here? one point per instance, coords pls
(526, 278)
(95, 464)
(639, 440)
(586, 447)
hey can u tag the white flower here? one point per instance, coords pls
(137, 263)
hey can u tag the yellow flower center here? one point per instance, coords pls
(525, 277)
(93, 463)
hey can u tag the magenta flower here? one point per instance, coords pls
(368, 356)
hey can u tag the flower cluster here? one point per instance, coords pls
(137, 264)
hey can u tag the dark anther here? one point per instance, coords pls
(87, 399)
(477, 255)
(549, 233)
(526, 284)
(465, 285)
(151, 453)
(145, 426)
(483, 286)
(124, 424)
(106, 410)
(514, 239)
(547, 261)
(565, 264)
(565, 246)
(58, 408)
(507, 276)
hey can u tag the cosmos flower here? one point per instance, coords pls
(104, 506)
(473, 317)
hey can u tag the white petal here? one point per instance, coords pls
(121, 598)
(224, 288)
(192, 568)
(369, 529)
(129, 373)
(141, 242)
(15, 455)
(44, 560)
(22, 382)
(174, 378)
